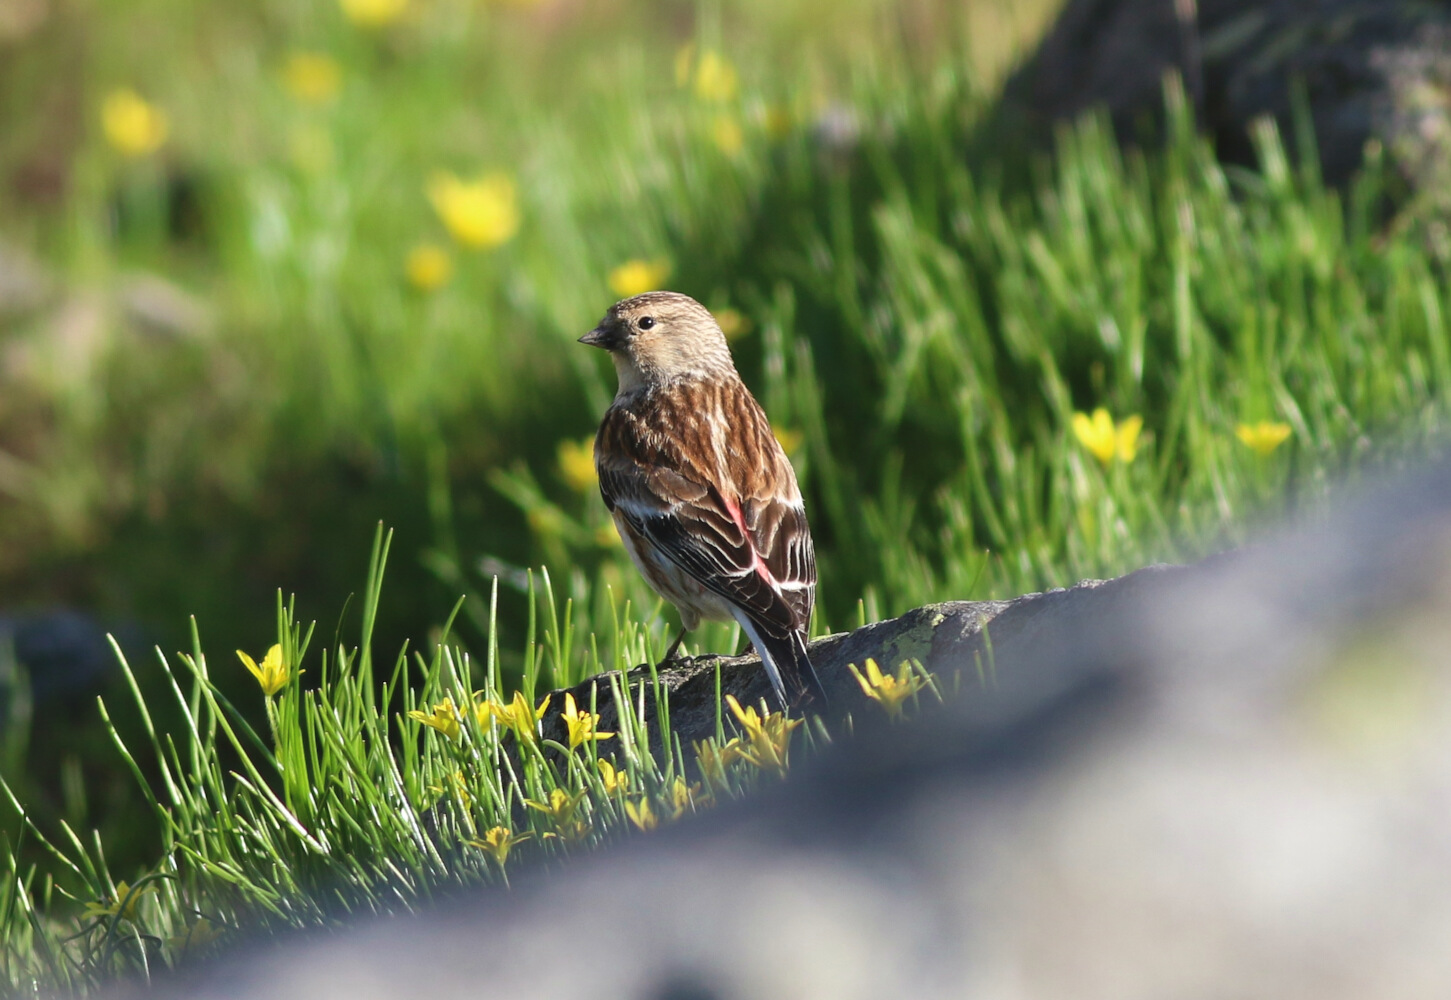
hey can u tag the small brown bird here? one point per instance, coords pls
(701, 492)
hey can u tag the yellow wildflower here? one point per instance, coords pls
(133, 126)
(885, 689)
(481, 213)
(682, 797)
(636, 276)
(428, 267)
(768, 738)
(778, 121)
(498, 842)
(122, 904)
(312, 77)
(613, 779)
(577, 464)
(563, 808)
(581, 725)
(642, 815)
(457, 785)
(715, 77)
(518, 716)
(1105, 439)
(788, 439)
(726, 133)
(713, 760)
(273, 674)
(443, 718)
(1264, 437)
(373, 13)
(731, 323)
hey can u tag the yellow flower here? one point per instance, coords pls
(607, 536)
(715, 77)
(1264, 437)
(312, 77)
(273, 674)
(443, 718)
(428, 267)
(614, 780)
(517, 715)
(133, 126)
(731, 323)
(193, 937)
(778, 121)
(577, 464)
(768, 737)
(888, 691)
(498, 842)
(122, 904)
(480, 213)
(682, 796)
(563, 808)
(373, 13)
(456, 785)
(713, 760)
(642, 815)
(1105, 439)
(726, 133)
(788, 439)
(636, 276)
(581, 725)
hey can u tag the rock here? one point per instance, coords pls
(1224, 780)
(1370, 71)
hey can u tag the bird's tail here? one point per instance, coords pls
(787, 664)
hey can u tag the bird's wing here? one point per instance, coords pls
(737, 527)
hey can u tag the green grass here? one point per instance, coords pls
(924, 318)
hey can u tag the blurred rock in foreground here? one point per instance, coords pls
(1229, 780)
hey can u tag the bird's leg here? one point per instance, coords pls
(674, 647)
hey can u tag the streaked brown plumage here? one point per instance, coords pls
(700, 490)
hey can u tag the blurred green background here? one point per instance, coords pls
(273, 272)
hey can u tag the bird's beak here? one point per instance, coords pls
(601, 336)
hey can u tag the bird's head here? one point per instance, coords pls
(659, 337)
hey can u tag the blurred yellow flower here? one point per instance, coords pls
(1264, 437)
(517, 715)
(133, 126)
(563, 808)
(613, 779)
(636, 276)
(312, 77)
(122, 904)
(428, 267)
(443, 718)
(607, 536)
(273, 674)
(732, 323)
(887, 690)
(778, 121)
(788, 439)
(642, 815)
(715, 77)
(577, 464)
(480, 213)
(373, 13)
(1105, 439)
(193, 937)
(727, 135)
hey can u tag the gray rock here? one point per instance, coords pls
(1227, 780)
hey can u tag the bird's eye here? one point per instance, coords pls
(646, 322)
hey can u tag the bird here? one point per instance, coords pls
(704, 498)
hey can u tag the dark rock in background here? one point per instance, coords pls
(1217, 781)
(1369, 71)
